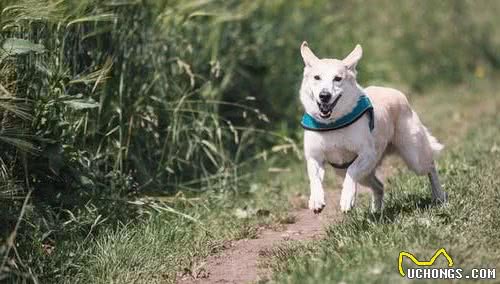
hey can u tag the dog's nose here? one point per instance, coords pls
(325, 96)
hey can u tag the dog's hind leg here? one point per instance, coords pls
(418, 148)
(377, 193)
(377, 188)
(438, 194)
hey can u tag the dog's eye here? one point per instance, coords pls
(337, 79)
(317, 77)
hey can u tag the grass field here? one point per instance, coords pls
(362, 248)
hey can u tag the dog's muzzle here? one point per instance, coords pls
(326, 109)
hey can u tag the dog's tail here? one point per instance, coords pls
(436, 147)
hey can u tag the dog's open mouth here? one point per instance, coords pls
(327, 109)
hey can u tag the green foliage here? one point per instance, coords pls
(106, 100)
(103, 100)
(113, 107)
(155, 94)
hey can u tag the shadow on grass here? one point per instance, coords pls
(408, 203)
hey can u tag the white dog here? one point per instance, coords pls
(353, 128)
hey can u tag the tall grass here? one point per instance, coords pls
(122, 98)
(104, 100)
(124, 105)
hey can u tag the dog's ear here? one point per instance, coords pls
(352, 59)
(308, 55)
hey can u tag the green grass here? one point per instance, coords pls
(155, 246)
(364, 248)
(103, 103)
(158, 245)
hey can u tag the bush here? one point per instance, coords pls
(127, 96)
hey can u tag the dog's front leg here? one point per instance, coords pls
(316, 172)
(362, 166)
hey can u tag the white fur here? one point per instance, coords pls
(397, 127)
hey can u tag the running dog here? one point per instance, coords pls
(352, 128)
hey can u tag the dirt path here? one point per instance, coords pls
(240, 262)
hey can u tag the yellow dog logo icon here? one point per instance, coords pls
(439, 252)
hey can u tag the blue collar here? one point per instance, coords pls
(363, 106)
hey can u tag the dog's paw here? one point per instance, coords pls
(316, 203)
(347, 200)
(376, 206)
(440, 198)
(377, 203)
(346, 205)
